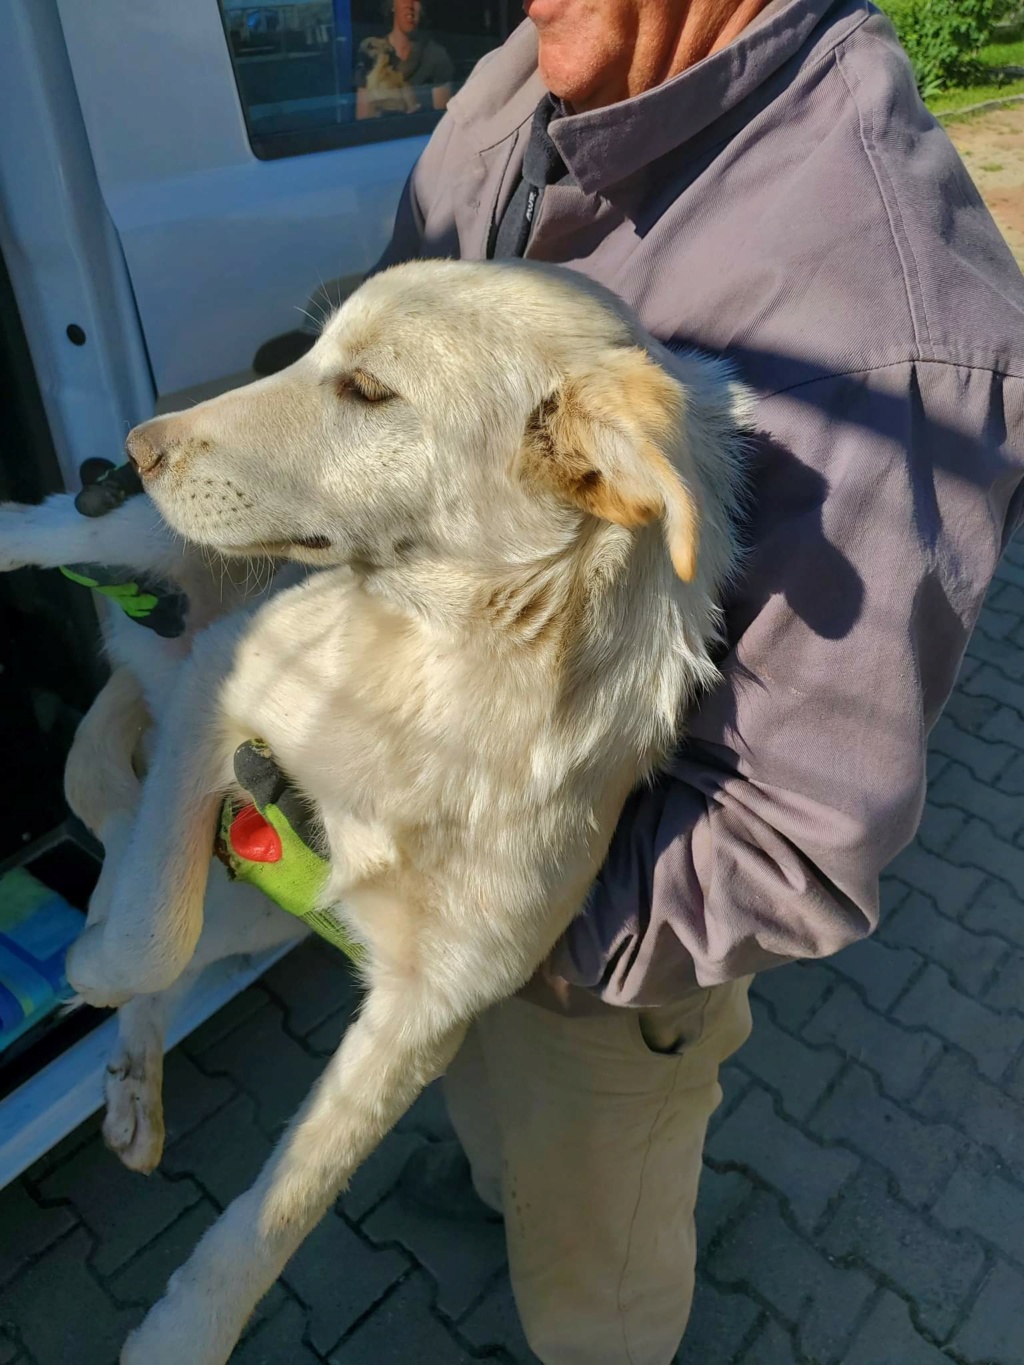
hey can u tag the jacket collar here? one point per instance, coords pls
(605, 146)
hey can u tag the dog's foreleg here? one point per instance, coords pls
(403, 1039)
(54, 532)
(155, 914)
(238, 920)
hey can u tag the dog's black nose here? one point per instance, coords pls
(144, 448)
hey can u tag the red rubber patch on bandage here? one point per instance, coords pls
(253, 839)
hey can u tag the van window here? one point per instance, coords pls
(332, 73)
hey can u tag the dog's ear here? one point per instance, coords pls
(606, 440)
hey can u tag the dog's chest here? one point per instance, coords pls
(355, 697)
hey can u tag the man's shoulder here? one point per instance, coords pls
(962, 291)
(866, 245)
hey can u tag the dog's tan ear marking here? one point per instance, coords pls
(602, 441)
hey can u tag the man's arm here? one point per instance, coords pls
(882, 502)
(407, 236)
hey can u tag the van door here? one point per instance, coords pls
(245, 153)
(177, 179)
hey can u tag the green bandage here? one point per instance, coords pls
(271, 845)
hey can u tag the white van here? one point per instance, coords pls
(178, 179)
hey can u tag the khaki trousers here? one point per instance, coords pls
(587, 1134)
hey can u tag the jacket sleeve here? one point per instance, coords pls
(882, 502)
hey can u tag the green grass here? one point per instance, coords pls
(995, 88)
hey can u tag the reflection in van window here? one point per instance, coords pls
(327, 73)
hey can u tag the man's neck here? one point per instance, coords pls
(642, 46)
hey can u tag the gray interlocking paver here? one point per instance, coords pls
(267, 1064)
(403, 1328)
(62, 1312)
(1011, 779)
(1003, 654)
(461, 1260)
(977, 846)
(339, 1275)
(378, 1173)
(968, 711)
(1007, 990)
(979, 1200)
(956, 1093)
(865, 1197)
(939, 1270)
(1003, 725)
(995, 1328)
(958, 789)
(1015, 1081)
(771, 1346)
(881, 973)
(1000, 687)
(941, 825)
(822, 1301)
(800, 1074)
(987, 760)
(310, 986)
(278, 1341)
(997, 617)
(721, 1196)
(123, 1211)
(719, 1325)
(230, 1017)
(992, 1039)
(190, 1096)
(890, 1338)
(996, 909)
(808, 1175)
(494, 1323)
(899, 1057)
(794, 992)
(952, 888)
(225, 1153)
(26, 1229)
(971, 958)
(920, 1156)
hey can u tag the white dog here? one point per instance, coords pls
(521, 508)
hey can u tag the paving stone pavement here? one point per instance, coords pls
(863, 1197)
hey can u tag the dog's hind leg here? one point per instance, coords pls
(405, 1036)
(156, 912)
(101, 785)
(238, 920)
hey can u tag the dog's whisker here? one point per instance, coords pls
(318, 323)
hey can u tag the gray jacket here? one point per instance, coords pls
(790, 203)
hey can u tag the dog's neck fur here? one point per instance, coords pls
(580, 605)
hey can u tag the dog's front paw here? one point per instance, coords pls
(91, 972)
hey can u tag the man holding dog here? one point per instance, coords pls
(757, 178)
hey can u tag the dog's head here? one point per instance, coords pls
(480, 413)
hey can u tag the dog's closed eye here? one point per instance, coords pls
(362, 385)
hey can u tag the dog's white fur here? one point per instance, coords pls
(110, 750)
(502, 481)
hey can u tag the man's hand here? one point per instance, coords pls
(150, 601)
(271, 842)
